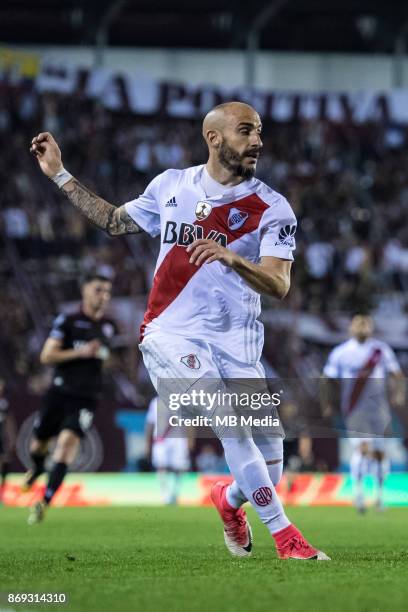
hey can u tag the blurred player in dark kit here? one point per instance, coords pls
(7, 437)
(77, 346)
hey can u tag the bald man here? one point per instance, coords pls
(225, 239)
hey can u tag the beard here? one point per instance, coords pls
(232, 161)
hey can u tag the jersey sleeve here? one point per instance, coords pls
(390, 361)
(145, 209)
(59, 328)
(332, 367)
(277, 230)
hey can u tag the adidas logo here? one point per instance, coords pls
(171, 202)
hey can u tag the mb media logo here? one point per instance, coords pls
(287, 236)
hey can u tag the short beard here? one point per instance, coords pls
(231, 160)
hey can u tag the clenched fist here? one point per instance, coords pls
(47, 153)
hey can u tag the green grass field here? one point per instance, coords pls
(166, 559)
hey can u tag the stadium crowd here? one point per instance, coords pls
(348, 185)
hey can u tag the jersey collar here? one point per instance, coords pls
(230, 193)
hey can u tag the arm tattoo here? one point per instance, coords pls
(122, 223)
(115, 221)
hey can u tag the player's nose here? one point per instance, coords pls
(255, 141)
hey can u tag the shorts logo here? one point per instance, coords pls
(236, 218)
(262, 496)
(85, 419)
(202, 210)
(287, 236)
(191, 361)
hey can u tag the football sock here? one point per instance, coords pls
(248, 467)
(359, 469)
(175, 488)
(275, 472)
(235, 496)
(381, 469)
(4, 471)
(165, 485)
(38, 460)
(55, 479)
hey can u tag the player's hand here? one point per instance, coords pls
(47, 153)
(89, 350)
(207, 251)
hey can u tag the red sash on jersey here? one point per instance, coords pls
(361, 379)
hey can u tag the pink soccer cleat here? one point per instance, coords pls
(290, 544)
(237, 530)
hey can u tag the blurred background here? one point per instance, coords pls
(123, 86)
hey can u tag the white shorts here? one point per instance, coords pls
(166, 356)
(171, 454)
(188, 362)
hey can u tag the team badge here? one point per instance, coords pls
(262, 496)
(236, 218)
(191, 361)
(202, 210)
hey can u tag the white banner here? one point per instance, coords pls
(146, 96)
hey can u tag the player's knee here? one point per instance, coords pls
(38, 446)
(378, 455)
(66, 448)
(364, 448)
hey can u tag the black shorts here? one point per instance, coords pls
(60, 412)
(2, 445)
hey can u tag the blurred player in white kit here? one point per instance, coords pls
(226, 238)
(170, 455)
(364, 366)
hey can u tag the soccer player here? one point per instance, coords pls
(363, 365)
(7, 437)
(226, 238)
(298, 458)
(169, 455)
(77, 346)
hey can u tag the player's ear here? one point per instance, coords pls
(214, 138)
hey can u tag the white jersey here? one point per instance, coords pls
(211, 302)
(363, 368)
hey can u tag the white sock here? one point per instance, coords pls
(380, 469)
(175, 488)
(235, 496)
(165, 485)
(248, 467)
(359, 468)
